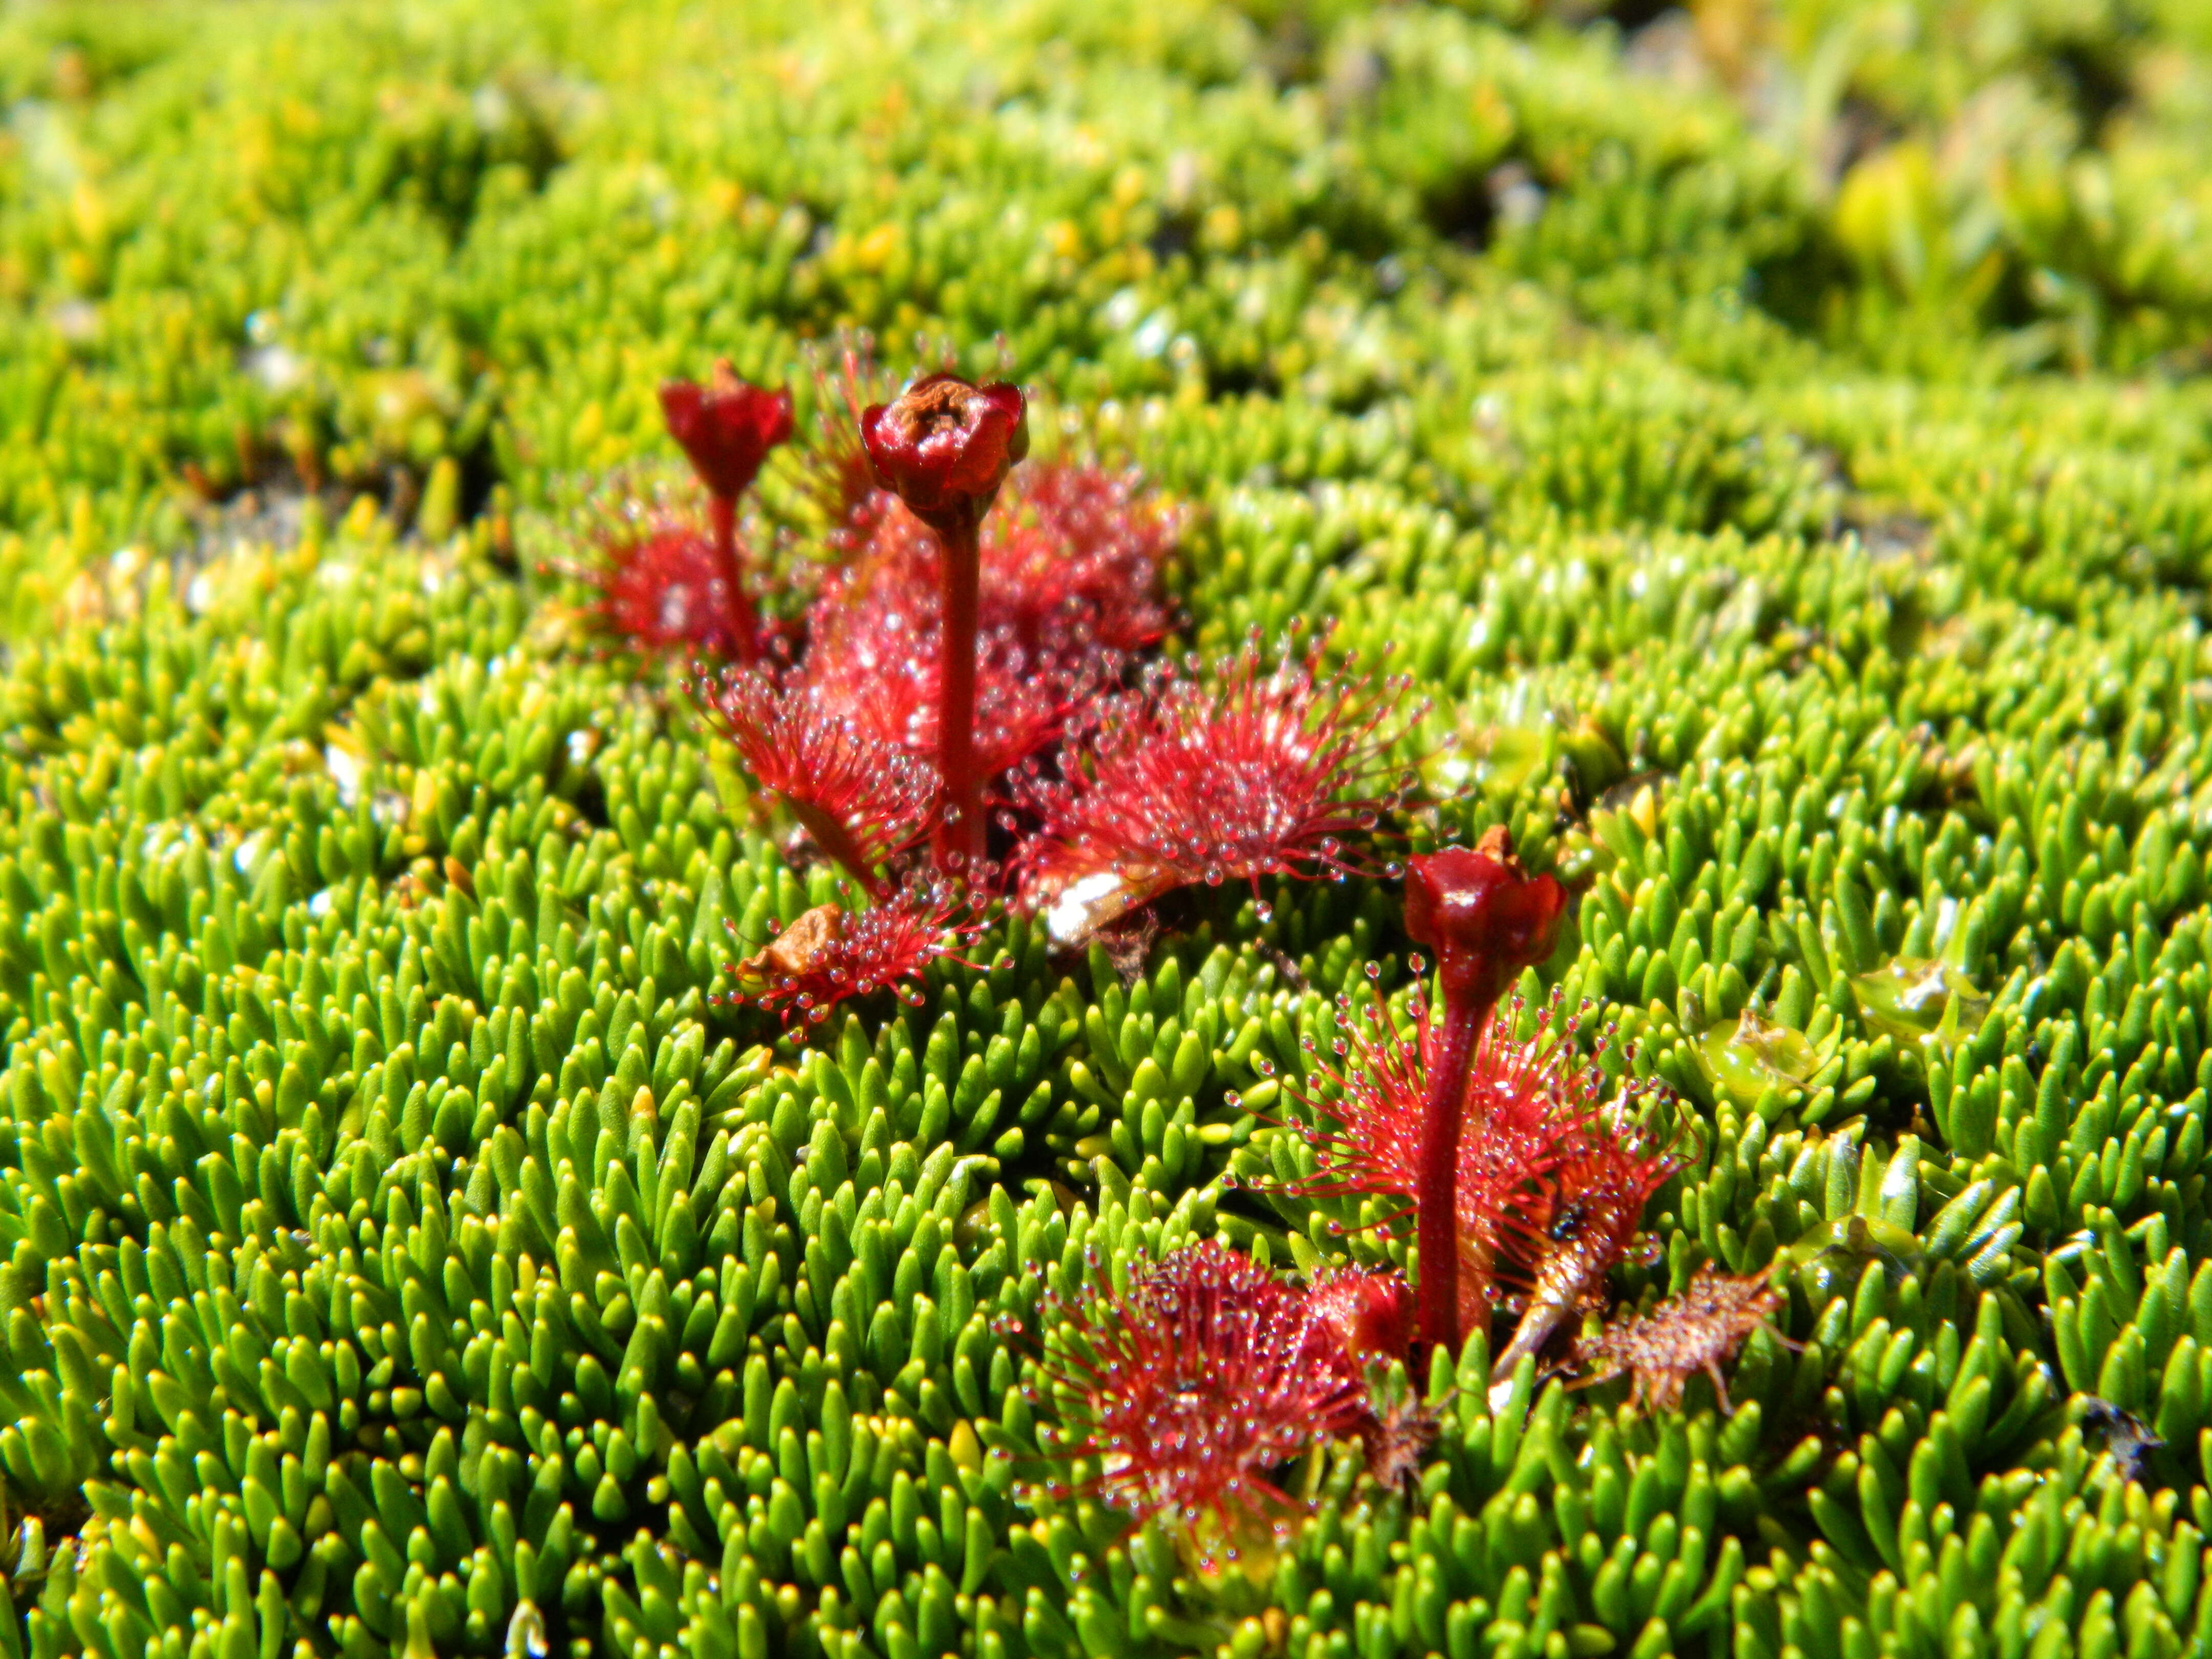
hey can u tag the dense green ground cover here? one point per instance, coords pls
(1796, 403)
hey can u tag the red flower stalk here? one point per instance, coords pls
(1701, 1329)
(1266, 774)
(944, 447)
(660, 588)
(1486, 921)
(830, 953)
(1532, 1108)
(727, 427)
(862, 799)
(876, 653)
(1194, 1385)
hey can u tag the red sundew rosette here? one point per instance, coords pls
(1486, 920)
(1266, 774)
(657, 591)
(830, 954)
(944, 447)
(1531, 1119)
(1071, 565)
(1192, 1387)
(861, 796)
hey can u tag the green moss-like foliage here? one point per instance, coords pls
(402, 1254)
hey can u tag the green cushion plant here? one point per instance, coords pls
(1754, 463)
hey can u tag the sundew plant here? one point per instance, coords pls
(1283, 831)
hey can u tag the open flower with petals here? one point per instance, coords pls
(944, 444)
(1269, 772)
(1191, 1388)
(832, 953)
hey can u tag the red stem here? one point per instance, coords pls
(1436, 1197)
(959, 842)
(745, 627)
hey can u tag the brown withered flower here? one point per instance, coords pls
(1700, 1330)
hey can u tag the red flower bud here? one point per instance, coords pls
(944, 444)
(1484, 918)
(726, 426)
